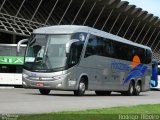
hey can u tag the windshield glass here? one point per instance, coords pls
(46, 52)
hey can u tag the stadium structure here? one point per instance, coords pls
(19, 18)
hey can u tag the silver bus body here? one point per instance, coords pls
(101, 71)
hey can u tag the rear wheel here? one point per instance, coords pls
(130, 91)
(44, 91)
(81, 88)
(137, 89)
(103, 93)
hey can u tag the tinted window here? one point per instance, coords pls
(126, 52)
(11, 68)
(80, 36)
(148, 56)
(116, 53)
(114, 49)
(121, 51)
(75, 53)
(108, 50)
(11, 51)
(100, 48)
(140, 52)
(91, 46)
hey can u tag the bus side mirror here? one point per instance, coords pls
(19, 44)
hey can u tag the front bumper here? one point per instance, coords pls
(59, 84)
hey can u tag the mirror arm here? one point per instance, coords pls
(19, 44)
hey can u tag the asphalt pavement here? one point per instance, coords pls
(30, 101)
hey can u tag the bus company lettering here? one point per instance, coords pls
(11, 60)
(116, 65)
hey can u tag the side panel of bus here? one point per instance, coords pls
(109, 69)
(18, 79)
(10, 79)
(100, 74)
(6, 78)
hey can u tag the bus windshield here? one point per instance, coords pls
(47, 53)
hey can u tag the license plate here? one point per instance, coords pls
(40, 84)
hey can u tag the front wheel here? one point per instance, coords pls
(81, 88)
(44, 91)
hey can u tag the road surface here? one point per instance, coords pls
(29, 101)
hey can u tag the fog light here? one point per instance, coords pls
(59, 85)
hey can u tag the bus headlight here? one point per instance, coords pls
(60, 77)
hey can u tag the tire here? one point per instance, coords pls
(130, 91)
(81, 88)
(131, 88)
(103, 93)
(44, 91)
(137, 89)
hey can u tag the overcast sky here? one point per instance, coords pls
(152, 6)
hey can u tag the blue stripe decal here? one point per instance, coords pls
(138, 71)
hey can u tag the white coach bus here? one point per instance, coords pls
(79, 58)
(11, 64)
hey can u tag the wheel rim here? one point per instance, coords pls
(138, 88)
(131, 89)
(82, 86)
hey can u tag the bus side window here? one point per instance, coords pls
(113, 52)
(100, 48)
(19, 69)
(91, 46)
(148, 56)
(4, 69)
(75, 53)
(108, 49)
(117, 50)
(141, 53)
(125, 52)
